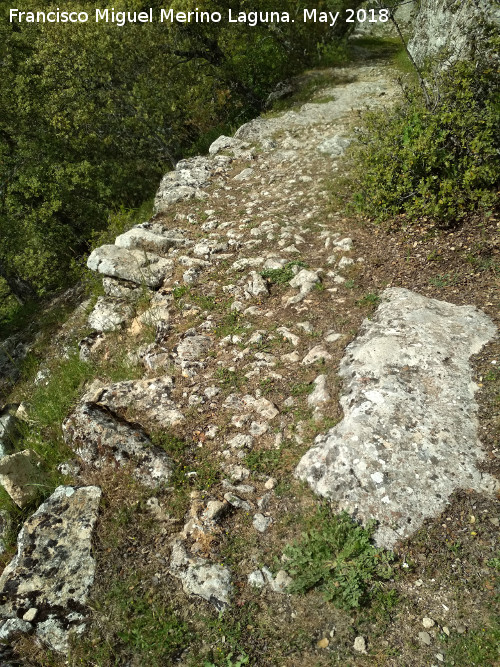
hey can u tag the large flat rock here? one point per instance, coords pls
(134, 265)
(150, 238)
(409, 437)
(151, 399)
(45, 587)
(102, 439)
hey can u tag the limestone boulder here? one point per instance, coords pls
(192, 348)
(185, 182)
(334, 146)
(150, 399)
(9, 433)
(200, 578)
(453, 29)
(109, 314)
(101, 439)
(43, 590)
(224, 143)
(142, 238)
(136, 266)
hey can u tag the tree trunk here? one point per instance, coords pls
(21, 289)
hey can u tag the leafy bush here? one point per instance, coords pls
(441, 162)
(336, 556)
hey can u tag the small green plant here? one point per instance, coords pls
(283, 275)
(455, 547)
(267, 385)
(336, 556)
(242, 659)
(301, 388)
(229, 379)
(180, 291)
(444, 280)
(494, 563)
(265, 460)
(230, 325)
(197, 473)
(369, 299)
(171, 443)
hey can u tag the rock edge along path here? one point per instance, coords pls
(409, 436)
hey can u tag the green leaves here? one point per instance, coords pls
(336, 556)
(442, 163)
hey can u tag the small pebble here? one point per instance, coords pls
(360, 644)
(428, 623)
(29, 616)
(270, 484)
(323, 643)
(425, 638)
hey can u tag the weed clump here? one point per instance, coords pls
(336, 555)
(283, 275)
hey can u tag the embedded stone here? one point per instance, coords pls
(201, 578)
(21, 475)
(102, 439)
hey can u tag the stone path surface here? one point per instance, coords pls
(234, 301)
(233, 225)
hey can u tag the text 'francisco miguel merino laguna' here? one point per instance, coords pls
(169, 16)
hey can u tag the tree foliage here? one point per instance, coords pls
(92, 114)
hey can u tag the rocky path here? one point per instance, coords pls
(236, 301)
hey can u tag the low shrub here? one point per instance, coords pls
(441, 162)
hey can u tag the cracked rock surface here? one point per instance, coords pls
(409, 435)
(100, 439)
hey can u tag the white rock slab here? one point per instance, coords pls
(48, 580)
(409, 437)
(136, 266)
(201, 578)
